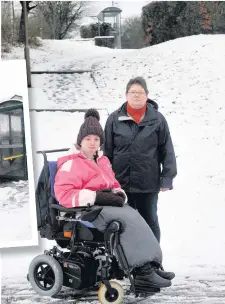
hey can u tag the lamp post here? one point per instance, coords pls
(26, 46)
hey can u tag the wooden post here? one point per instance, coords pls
(26, 46)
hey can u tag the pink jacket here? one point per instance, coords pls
(78, 178)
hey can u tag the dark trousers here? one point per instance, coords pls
(146, 204)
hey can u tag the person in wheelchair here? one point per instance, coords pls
(84, 176)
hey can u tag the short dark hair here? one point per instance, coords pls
(137, 80)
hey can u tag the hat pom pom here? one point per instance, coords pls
(92, 113)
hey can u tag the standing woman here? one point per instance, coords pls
(138, 144)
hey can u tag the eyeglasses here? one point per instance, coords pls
(136, 93)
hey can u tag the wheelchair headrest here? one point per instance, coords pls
(52, 165)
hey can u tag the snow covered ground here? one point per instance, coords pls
(14, 213)
(70, 90)
(54, 91)
(186, 77)
(67, 54)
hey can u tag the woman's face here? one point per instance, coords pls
(90, 144)
(136, 96)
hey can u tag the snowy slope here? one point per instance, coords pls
(68, 54)
(63, 91)
(67, 90)
(186, 77)
(179, 71)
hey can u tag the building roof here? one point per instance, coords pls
(110, 11)
(15, 97)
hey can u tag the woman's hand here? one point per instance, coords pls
(108, 198)
(121, 193)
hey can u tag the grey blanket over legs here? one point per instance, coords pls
(137, 239)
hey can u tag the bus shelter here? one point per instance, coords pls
(113, 16)
(13, 160)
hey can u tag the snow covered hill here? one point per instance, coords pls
(186, 77)
(57, 55)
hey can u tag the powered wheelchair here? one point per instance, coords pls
(84, 259)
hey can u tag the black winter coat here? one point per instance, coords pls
(137, 152)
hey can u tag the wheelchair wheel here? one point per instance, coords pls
(116, 297)
(45, 275)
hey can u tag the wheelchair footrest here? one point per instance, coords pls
(145, 290)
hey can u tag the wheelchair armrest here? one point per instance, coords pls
(91, 214)
(75, 209)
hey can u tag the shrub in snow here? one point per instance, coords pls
(95, 29)
(35, 41)
(167, 20)
(6, 48)
(132, 33)
(85, 31)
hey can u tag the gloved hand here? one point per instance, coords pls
(121, 193)
(106, 197)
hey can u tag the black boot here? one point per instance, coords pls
(165, 274)
(145, 276)
(162, 273)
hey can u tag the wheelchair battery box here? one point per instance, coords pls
(79, 271)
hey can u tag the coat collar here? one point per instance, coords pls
(149, 117)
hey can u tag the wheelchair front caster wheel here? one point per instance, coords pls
(115, 297)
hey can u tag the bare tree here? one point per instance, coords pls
(6, 22)
(61, 15)
(29, 7)
(133, 35)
